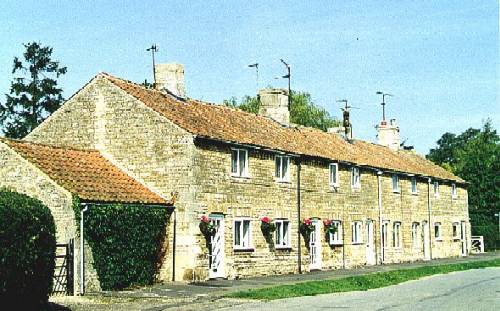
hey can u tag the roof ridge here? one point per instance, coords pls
(25, 142)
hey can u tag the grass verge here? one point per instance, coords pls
(357, 283)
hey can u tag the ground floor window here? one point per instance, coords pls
(437, 231)
(456, 230)
(356, 232)
(385, 235)
(242, 233)
(335, 238)
(415, 240)
(396, 234)
(282, 233)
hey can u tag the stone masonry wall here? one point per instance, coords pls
(261, 195)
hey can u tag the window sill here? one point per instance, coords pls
(396, 191)
(244, 250)
(240, 178)
(283, 248)
(336, 244)
(414, 193)
(282, 181)
(454, 198)
(438, 240)
(456, 239)
(357, 243)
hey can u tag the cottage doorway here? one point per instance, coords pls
(463, 239)
(216, 257)
(315, 246)
(370, 244)
(426, 239)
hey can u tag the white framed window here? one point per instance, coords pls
(456, 230)
(415, 237)
(357, 236)
(355, 178)
(239, 162)
(413, 185)
(385, 233)
(336, 237)
(437, 231)
(395, 183)
(242, 233)
(334, 174)
(436, 189)
(282, 168)
(454, 194)
(396, 234)
(282, 233)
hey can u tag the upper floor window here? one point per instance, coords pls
(396, 234)
(414, 185)
(239, 162)
(242, 233)
(436, 189)
(356, 232)
(355, 178)
(282, 233)
(334, 174)
(395, 183)
(335, 238)
(282, 168)
(437, 231)
(415, 240)
(454, 194)
(455, 230)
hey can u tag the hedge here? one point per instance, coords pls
(126, 242)
(27, 251)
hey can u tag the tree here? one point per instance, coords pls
(303, 110)
(474, 156)
(34, 94)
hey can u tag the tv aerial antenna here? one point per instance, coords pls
(346, 122)
(154, 49)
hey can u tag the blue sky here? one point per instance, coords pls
(439, 58)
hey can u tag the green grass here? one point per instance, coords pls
(357, 283)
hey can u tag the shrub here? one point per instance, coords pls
(27, 251)
(126, 242)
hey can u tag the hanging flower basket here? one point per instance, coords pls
(306, 227)
(330, 226)
(266, 226)
(206, 227)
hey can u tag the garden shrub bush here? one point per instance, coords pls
(27, 251)
(126, 242)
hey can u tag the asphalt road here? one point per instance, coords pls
(468, 290)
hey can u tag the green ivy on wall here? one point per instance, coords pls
(126, 241)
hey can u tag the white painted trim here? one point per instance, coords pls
(250, 233)
(289, 239)
(335, 184)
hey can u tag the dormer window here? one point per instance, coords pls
(355, 178)
(239, 162)
(454, 194)
(414, 185)
(334, 175)
(282, 168)
(395, 183)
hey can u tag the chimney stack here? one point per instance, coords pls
(274, 105)
(170, 77)
(388, 134)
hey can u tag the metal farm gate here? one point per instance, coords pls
(64, 271)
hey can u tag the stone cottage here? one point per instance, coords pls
(383, 204)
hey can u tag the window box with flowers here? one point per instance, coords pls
(306, 227)
(206, 227)
(267, 227)
(333, 230)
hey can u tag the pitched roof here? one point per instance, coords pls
(233, 125)
(85, 173)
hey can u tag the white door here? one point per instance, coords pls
(315, 246)
(216, 256)
(463, 238)
(426, 239)
(370, 244)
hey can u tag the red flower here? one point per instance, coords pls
(205, 219)
(327, 222)
(307, 222)
(265, 219)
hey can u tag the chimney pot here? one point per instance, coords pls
(170, 77)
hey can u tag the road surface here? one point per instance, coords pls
(468, 290)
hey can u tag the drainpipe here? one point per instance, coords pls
(379, 190)
(299, 249)
(174, 243)
(429, 215)
(82, 257)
